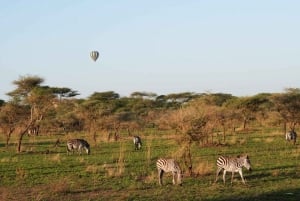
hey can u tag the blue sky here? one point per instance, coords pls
(237, 47)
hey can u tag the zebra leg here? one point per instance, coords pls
(79, 149)
(224, 174)
(232, 177)
(70, 151)
(174, 173)
(241, 173)
(160, 175)
(217, 175)
(179, 179)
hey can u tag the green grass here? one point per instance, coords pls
(115, 171)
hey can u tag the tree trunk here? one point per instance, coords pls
(22, 133)
(95, 137)
(244, 124)
(20, 140)
(8, 136)
(188, 159)
(224, 134)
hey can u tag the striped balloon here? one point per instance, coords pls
(94, 55)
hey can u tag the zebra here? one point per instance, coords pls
(291, 136)
(168, 165)
(33, 130)
(78, 144)
(137, 142)
(232, 164)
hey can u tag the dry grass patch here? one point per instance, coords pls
(232, 140)
(121, 161)
(21, 174)
(93, 169)
(257, 139)
(118, 168)
(5, 160)
(269, 139)
(203, 169)
(60, 186)
(81, 160)
(151, 178)
(110, 170)
(56, 158)
(148, 153)
(275, 173)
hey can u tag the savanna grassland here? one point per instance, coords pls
(115, 171)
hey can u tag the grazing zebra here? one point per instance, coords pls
(232, 164)
(33, 131)
(137, 142)
(291, 136)
(168, 165)
(78, 144)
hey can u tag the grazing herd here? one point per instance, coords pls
(225, 164)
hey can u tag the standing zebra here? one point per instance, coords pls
(291, 136)
(137, 142)
(168, 165)
(232, 164)
(78, 144)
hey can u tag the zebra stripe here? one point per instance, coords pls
(232, 164)
(33, 130)
(78, 144)
(291, 136)
(137, 142)
(168, 165)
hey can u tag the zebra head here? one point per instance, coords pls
(291, 135)
(87, 149)
(137, 142)
(179, 178)
(246, 162)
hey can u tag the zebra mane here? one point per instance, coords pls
(243, 156)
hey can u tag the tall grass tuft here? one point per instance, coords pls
(21, 173)
(56, 158)
(121, 160)
(109, 169)
(148, 153)
(203, 168)
(92, 169)
(61, 186)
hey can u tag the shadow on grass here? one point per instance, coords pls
(285, 195)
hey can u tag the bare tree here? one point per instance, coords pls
(10, 115)
(35, 101)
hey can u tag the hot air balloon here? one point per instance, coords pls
(94, 55)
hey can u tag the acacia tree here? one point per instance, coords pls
(10, 115)
(288, 106)
(191, 125)
(245, 108)
(34, 99)
(96, 109)
(64, 92)
(220, 117)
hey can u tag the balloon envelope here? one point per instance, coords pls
(94, 55)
